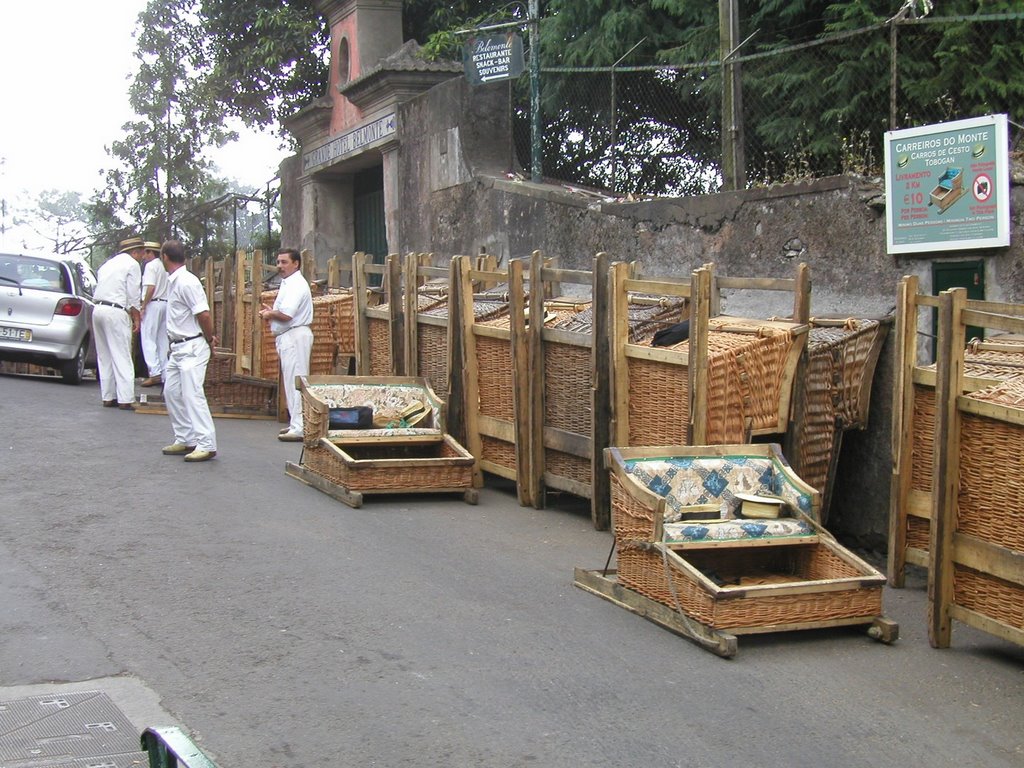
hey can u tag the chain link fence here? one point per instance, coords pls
(807, 110)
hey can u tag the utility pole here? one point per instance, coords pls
(533, 13)
(733, 159)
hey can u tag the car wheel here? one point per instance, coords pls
(73, 371)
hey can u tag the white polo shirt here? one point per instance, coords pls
(154, 274)
(295, 300)
(185, 299)
(118, 281)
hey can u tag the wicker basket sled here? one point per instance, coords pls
(720, 576)
(393, 456)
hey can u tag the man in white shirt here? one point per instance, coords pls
(290, 320)
(190, 338)
(154, 314)
(115, 318)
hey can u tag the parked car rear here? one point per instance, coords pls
(46, 312)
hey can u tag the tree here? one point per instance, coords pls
(57, 217)
(160, 164)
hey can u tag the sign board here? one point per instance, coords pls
(349, 143)
(948, 186)
(492, 59)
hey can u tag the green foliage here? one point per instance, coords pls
(58, 217)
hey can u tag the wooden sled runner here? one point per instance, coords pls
(689, 561)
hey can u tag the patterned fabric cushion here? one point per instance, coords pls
(386, 400)
(736, 530)
(687, 480)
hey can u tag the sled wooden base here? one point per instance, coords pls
(718, 642)
(354, 499)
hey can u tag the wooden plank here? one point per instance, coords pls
(618, 335)
(238, 314)
(720, 643)
(673, 288)
(601, 397)
(796, 626)
(697, 361)
(567, 484)
(743, 543)
(989, 558)
(996, 411)
(568, 338)
(802, 295)
(571, 276)
(353, 499)
(492, 332)
(497, 428)
(525, 386)
(534, 351)
(360, 288)
(256, 351)
(396, 324)
(916, 556)
(656, 354)
(993, 320)
(902, 435)
(567, 442)
(410, 313)
(987, 624)
(758, 283)
(949, 367)
(468, 372)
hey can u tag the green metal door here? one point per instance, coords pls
(959, 274)
(370, 229)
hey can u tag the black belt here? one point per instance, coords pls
(166, 299)
(111, 304)
(290, 328)
(178, 341)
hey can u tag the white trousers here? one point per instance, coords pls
(112, 329)
(293, 348)
(184, 396)
(154, 337)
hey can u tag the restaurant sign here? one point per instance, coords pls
(947, 186)
(492, 59)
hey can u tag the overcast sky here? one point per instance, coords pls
(64, 74)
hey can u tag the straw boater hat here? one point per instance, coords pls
(129, 245)
(152, 246)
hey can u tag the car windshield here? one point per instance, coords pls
(29, 272)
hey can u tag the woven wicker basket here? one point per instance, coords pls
(437, 466)
(991, 498)
(745, 375)
(668, 581)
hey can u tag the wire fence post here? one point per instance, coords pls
(535, 121)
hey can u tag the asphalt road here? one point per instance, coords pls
(282, 628)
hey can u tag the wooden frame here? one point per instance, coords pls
(972, 575)
(499, 443)
(378, 353)
(587, 350)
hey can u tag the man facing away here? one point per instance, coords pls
(290, 319)
(114, 319)
(190, 338)
(154, 314)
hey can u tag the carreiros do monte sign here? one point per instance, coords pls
(492, 59)
(947, 186)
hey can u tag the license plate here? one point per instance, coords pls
(15, 334)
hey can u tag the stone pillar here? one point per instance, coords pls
(392, 198)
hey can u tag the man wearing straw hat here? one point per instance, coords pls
(154, 315)
(115, 318)
(190, 338)
(290, 320)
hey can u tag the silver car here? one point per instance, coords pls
(46, 312)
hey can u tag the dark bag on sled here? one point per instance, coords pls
(354, 417)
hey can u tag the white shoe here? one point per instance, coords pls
(290, 437)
